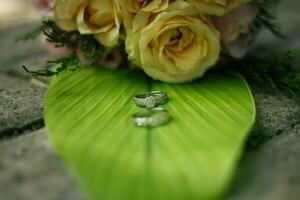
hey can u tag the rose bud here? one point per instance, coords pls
(235, 29)
(112, 60)
(44, 6)
(84, 59)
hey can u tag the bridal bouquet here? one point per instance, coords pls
(170, 40)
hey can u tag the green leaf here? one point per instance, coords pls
(88, 115)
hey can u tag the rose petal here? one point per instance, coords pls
(44, 6)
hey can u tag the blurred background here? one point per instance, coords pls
(29, 170)
(17, 11)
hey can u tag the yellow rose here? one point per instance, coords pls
(217, 7)
(176, 45)
(98, 17)
(65, 13)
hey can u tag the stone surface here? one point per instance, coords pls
(271, 172)
(29, 170)
(21, 105)
(276, 114)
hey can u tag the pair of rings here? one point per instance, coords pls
(154, 116)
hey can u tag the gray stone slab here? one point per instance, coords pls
(29, 170)
(271, 172)
(276, 115)
(21, 105)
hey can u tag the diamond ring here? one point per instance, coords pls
(152, 118)
(151, 99)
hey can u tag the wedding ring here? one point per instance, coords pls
(151, 99)
(151, 118)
